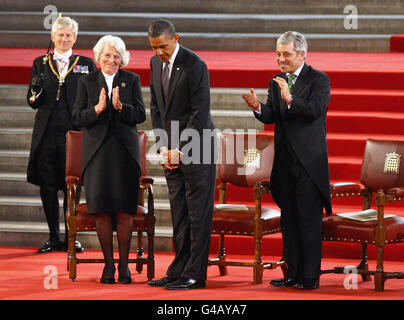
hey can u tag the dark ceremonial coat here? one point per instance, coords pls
(46, 102)
(122, 123)
(302, 128)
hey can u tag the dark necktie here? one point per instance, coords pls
(165, 79)
(291, 77)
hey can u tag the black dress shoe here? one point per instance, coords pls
(48, 247)
(185, 283)
(79, 248)
(77, 245)
(308, 285)
(286, 282)
(108, 279)
(160, 282)
(124, 277)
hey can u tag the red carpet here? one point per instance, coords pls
(397, 43)
(22, 277)
(380, 71)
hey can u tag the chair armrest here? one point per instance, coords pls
(343, 189)
(72, 183)
(72, 180)
(397, 193)
(261, 188)
(144, 180)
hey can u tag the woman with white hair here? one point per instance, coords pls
(108, 107)
(51, 92)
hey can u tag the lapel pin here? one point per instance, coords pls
(123, 84)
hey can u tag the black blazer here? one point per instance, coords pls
(188, 105)
(47, 100)
(123, 123)
(303, 127)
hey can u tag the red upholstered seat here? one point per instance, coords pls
(238, 222)
(336, 228)
(86, 222)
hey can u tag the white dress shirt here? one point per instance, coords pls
(62, 61)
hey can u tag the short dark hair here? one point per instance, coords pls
(161, 26)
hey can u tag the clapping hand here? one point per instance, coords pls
(283, 85)
(115, 99)
(102, 102)
(252, 100)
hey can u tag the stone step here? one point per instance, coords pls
(208, 6)
(12, 138)
(220, 98)
(346, 42)
(34, 234)
(15, 184)
(29, 209)
(16, 161)
(106, 22)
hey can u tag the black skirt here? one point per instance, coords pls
(111, 179)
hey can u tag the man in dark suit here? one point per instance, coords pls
(52, 91)
(297, 104)
(180, 111)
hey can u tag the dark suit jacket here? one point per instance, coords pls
(47, 101)
(303, 127)
(123, 123)
(188, 104)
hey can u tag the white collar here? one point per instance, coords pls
(297, 72)
(108, 77)
(62, 56)
(173, 56)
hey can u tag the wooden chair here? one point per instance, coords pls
(245, 160)
(79, 220)
(382, 176)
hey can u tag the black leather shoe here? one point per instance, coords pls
(108, 279)
(48, 247)
(185, 284)
(79, 248)
(286, 282)
(160, 282)
(308, 285)
(124, 278)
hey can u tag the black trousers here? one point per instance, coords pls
(301, 223)
(191, 200)
(51, 164)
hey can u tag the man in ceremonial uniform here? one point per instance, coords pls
(52, 92)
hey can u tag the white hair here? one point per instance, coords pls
(64, 22)
(115, 42)
(297, 38)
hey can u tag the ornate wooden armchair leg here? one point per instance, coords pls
(364, 263)
(72, 255)
(150, 256)
(380, 239)
(71, 221)
(140, 252)
(222, 255)
(258, 267)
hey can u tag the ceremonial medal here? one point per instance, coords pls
(62, 80)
